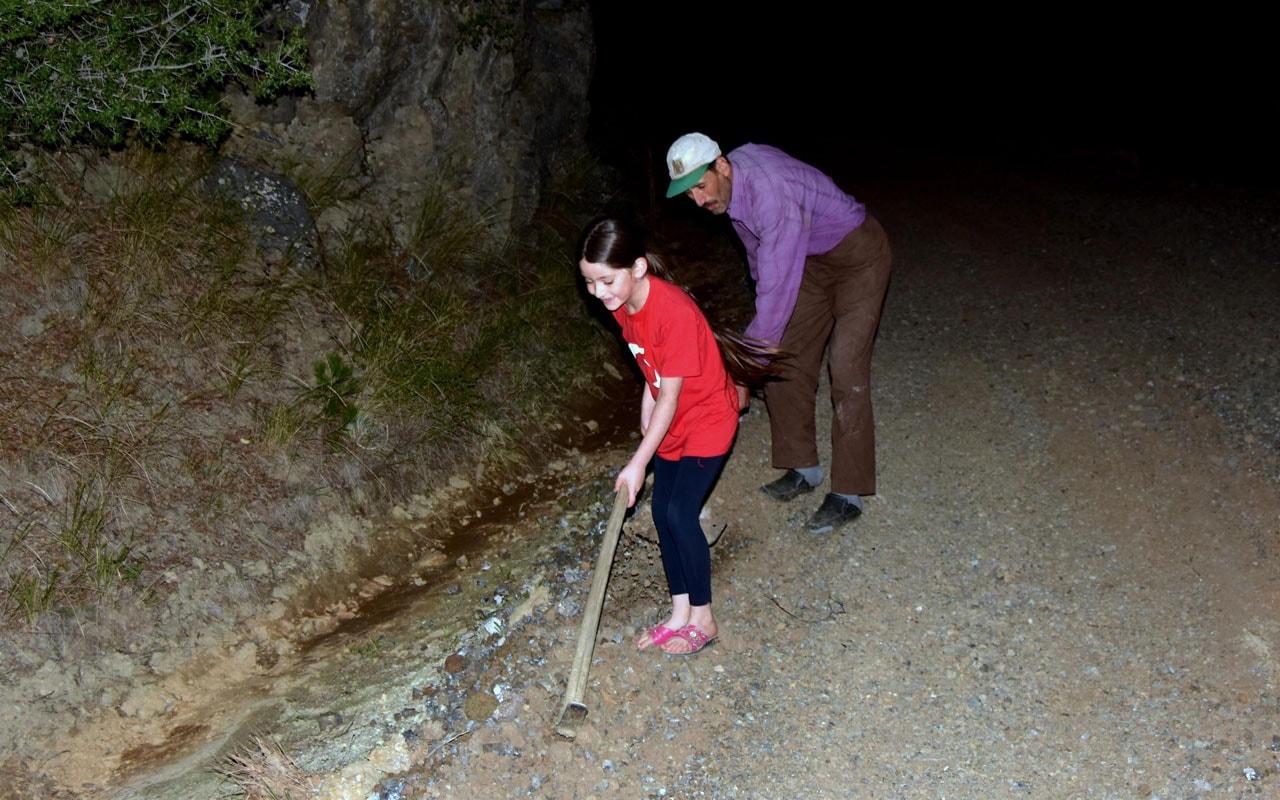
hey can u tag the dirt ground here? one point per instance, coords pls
(1066, 587)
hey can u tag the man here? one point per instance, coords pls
(821, 267)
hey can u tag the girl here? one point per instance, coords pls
(688, 414)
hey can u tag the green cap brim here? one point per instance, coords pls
(681, 185)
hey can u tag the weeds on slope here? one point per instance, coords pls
(172, 396)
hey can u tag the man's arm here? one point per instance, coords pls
(780, 266)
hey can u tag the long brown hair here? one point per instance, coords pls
(618, 243)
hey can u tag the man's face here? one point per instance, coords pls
(714, 188)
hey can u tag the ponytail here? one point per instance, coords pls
(749, 362)
(608, 240)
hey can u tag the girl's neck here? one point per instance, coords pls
(638, 296)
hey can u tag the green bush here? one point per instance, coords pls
(98, 71)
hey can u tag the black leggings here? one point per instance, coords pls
(679, 490)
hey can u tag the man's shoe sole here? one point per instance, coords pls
(831, 526)
(839, 522)
(787, 494)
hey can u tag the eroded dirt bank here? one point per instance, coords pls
(1066, 587)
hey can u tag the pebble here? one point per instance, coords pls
(479, 705)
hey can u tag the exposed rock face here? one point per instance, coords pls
(399, 110)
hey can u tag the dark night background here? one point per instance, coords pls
(863, 92)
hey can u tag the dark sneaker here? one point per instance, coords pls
(834, 512)
(791, 485)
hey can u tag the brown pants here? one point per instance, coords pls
(840, 300)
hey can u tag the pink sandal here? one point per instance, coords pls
(659, 635)
(696, 638)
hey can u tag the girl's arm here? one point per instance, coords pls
(646, 409)
(664, 410)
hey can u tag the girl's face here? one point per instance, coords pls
(617, 287)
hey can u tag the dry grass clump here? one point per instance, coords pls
(133, 308)
(261, 770)
(455, 347)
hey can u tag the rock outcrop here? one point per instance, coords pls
(405, 107)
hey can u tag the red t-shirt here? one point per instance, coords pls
(669, 336)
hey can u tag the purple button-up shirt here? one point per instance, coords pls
(784, 211)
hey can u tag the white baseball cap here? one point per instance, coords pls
(687, 158)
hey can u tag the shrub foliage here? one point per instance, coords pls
(100, 70)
